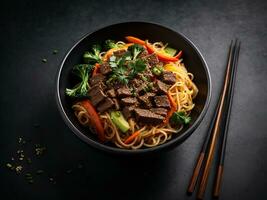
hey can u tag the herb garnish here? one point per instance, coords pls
(92, 57)
(180, 118)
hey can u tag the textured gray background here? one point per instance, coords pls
(31, 30)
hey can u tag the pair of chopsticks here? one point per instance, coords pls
(219, 124)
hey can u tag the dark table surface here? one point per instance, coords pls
(30, 30)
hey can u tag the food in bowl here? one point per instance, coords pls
(133, 93)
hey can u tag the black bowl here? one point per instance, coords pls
(192, 58)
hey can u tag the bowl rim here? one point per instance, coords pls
(116, 150)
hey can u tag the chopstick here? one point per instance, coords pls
(228, 107)
(222, 111)
(215, 132)
(210, 138)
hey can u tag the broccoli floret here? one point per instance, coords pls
(136, 49)
(110, 44)
(92, 57)
(81, 89)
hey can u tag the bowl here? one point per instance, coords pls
(192, 58)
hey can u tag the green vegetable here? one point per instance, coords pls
(180, 118)
(110, 44)
(122, 72)
(81, 89)
(44, 60)
(157, 70)
(170, 51)
(136, 49)
(137, 67)
(92, 57)
(118, 119)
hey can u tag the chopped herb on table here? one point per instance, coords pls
(44, 60)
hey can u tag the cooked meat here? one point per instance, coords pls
(97, 79)
(147, 117)
(111, 93)
(119, 53)
(129, 101)
(105, 68)
(93, 90)
(152, 59)
(96, 94)
(168, 77)
(162, 87)
(127, 111)
(160, 111)
(162, 101)
(146, 100)
(124, 92)
(107, 103)
(116, 103)
(136, 82)
(141, 87)
(143, 54)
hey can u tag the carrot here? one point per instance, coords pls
(172, 110)
(96, 122)
(135, 40)
(151, 49)
(110, 52)
(132, 137)
(96, 68)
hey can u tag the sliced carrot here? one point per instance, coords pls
(132, 137)
(96, 69)
(110, 52)
(135, 40)
(96, 122)
(172, 110)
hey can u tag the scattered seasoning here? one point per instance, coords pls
(12, 159)
(20, 139)
(28, 175)
(39, 150)
(44, 60)
(55, 51)
(18, 169)
(68, 171)
(8, 165)
(39, 172)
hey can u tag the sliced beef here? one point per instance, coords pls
(141, 87)
(152, 59)
(127, 111)
(168, 77)
(160, 111)
(105, 105)
(105, 68)
(98, 78)
(147, 117)
(143, 54)
(96, 94)
(136, 82)
(162, 101)
(162, 87)
(124, 92)
(146, 99)
(116, 103)
(111, 93)
(129, 101)
(119, 53)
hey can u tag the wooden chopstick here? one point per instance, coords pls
(228, 106)
(215, 132)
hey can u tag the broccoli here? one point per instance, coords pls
(81, 89)
(110, 44)
(92, 57)
(136, 49)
